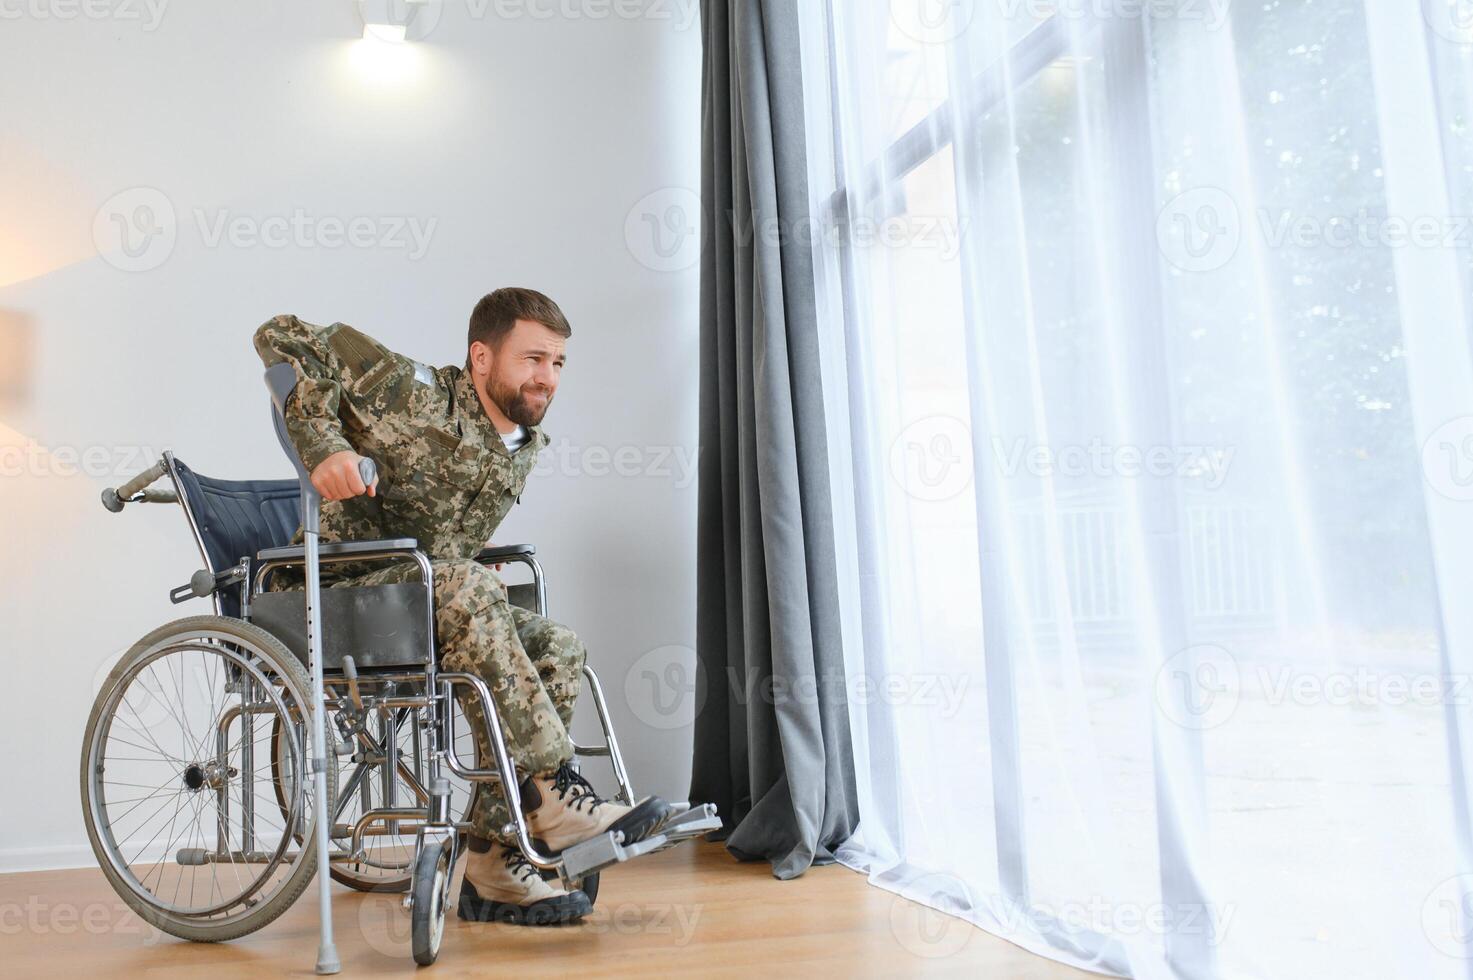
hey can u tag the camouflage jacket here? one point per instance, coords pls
(445, 476)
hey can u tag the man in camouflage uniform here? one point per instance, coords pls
(453, 448)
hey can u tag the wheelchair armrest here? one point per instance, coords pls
(505, 552)
(340, 549)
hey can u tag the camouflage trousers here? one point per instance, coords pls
(532, 666)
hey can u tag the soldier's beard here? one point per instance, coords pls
(517, 403)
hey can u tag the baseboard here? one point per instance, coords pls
(16, 859)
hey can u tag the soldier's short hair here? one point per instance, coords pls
(499, 311)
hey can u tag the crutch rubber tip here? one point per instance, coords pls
(327, 960)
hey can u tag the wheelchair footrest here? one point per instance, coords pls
(595, 854)
(686, 825)
(608, 849)
(689, 821)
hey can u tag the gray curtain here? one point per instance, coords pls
(772, 741)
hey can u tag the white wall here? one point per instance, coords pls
(527, 141)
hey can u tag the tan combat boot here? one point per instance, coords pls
(502, 886)
(563, 809)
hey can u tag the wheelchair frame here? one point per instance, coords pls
(428, 695)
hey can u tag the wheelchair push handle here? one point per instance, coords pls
(134, 492)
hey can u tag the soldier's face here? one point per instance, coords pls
(521, 376)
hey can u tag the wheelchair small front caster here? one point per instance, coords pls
(429, 894)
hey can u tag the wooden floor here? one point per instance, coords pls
(689, 911)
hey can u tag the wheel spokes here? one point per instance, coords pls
(170, 784)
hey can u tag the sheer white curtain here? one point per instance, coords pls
(1147, 357)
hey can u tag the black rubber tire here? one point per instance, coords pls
(430, 896)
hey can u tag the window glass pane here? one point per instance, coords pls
(1310, 565)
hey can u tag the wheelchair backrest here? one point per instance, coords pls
(237, 518)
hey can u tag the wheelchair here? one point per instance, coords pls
(227, 754)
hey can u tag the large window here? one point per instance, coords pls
(1139, 338)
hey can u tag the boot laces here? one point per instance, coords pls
(571, 786)
(517, 863)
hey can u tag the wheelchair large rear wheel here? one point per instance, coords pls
(178, 793)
